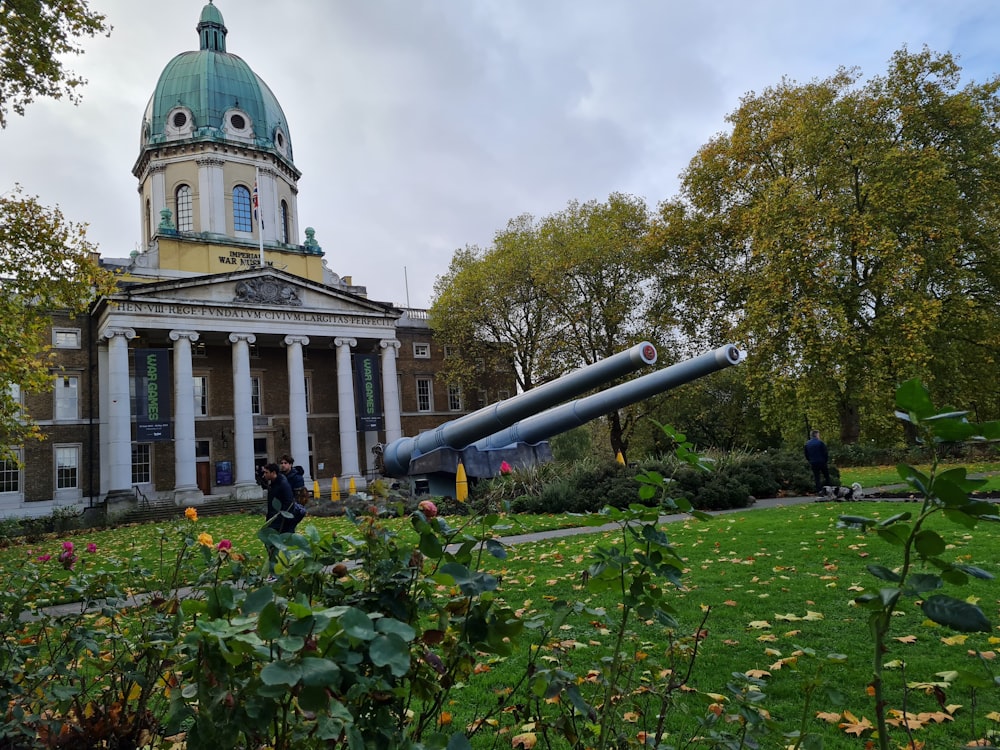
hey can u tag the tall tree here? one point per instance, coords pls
(34, 36)
(594, 268)
(489, 305)
(847, 235)
(46, 264)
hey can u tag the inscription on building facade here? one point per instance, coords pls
(238, 313)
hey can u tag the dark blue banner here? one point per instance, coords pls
(368, 386)
(152, 396)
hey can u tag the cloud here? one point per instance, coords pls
(424, 126)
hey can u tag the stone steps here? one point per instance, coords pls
(157, 512)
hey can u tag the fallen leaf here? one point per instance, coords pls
(759, 624)
(526, 740)
(828, 716)
(954, 640)
(906, 638)
(854, 725)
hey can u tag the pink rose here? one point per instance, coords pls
(68, 546)
(428, 508)
(224, 544)
(91, 547)
(505, 468)
(44, 558)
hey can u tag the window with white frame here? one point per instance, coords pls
(421, 351)
(425, 394)
(255, 406)
(10, 474)
(67, 467)
(454, 397)
(142, 464)
(200, 388)
(14, 389)
(67, 397)
(241, 209)
(66, 338)
(185, 213)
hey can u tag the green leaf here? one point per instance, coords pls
(320, 672)
(356, 624)
(921, 583)
(397, 627)
(897, 534)
(914, 398)
(430, 545)
(956, 614)
(458, 741)
(975, 572)
(390, 651)
(929, 543)
(880, 571)
(281, 673)
(905, 516)
(269, 622)
(496, 549)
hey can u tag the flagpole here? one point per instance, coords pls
(258, 212)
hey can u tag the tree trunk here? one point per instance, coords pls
(617, 435)
(850, 423)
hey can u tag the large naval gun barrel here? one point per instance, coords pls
(532, 417)
(464, 431)
(565, 417)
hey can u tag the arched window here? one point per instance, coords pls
(241, 209)
(149, 222)
(286, 233)
(185, 214)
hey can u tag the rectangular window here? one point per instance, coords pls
(142, 464)
(422, 351)
(67, 467)
(66, 338)
(308, 385)
(16, 396)
(199, 349)
(425, 400)
(255, 407)
(10, 474)
(254, 351)
(67, 397)
(202, 448)
(200, 387)
(449, 351)
(455, 398)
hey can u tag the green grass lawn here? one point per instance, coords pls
(882, 476)
(774, 582)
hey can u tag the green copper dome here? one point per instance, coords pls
(212, 95)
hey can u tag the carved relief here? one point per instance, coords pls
(268, 291)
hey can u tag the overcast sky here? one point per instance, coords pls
(422, 126)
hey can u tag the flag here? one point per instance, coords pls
(256, 219)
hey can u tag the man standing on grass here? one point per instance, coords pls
(819, 460)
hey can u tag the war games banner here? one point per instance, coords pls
(369, 392)
(152, 395)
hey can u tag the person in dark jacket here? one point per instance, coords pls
(819, 460)
(279, 498)
(294, 475)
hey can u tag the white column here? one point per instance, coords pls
(242, 413)
(211, 200)
(345, 403)
(104, 404)
(158, 189)
(390, 390)
(185, 477)
(119, 457)
(298, 425)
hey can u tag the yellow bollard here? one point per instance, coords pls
(315, 489)
(620, 458)
(352, 488)
(461, 484)
(334, 490)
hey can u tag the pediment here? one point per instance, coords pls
(256, 288)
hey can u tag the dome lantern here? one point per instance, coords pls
(211, 29)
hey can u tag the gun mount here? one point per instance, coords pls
(516, 429)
